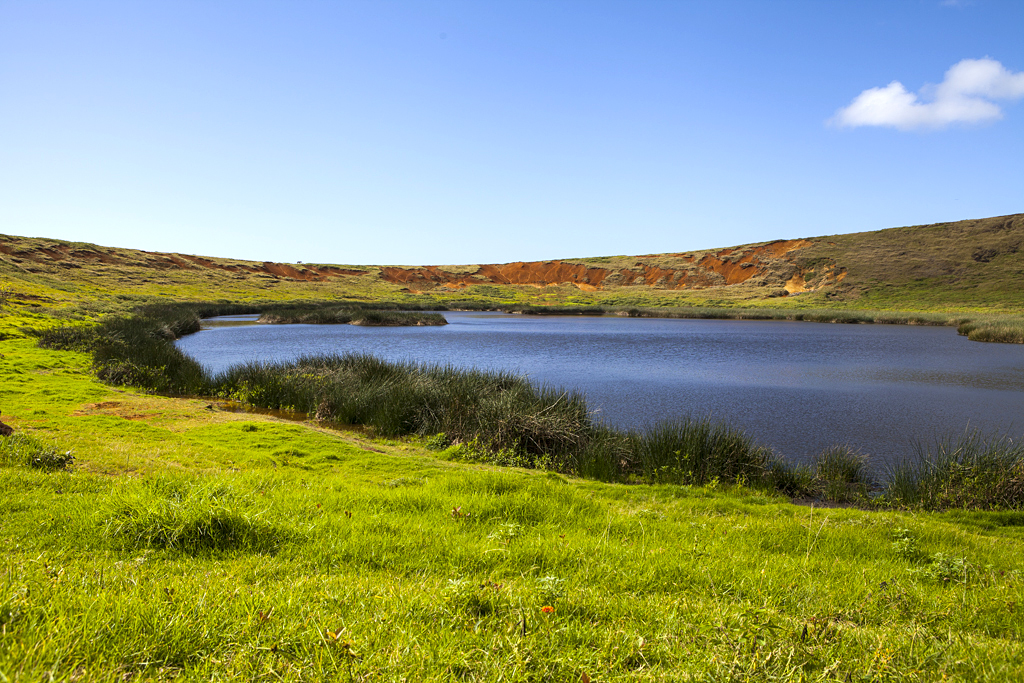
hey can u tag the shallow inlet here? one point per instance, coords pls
(794, 386)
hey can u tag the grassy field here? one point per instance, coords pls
(191, 542)
(156, 538)
(153, 537)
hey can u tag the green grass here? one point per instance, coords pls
(185, 541)
(193, 543)
(448, 575)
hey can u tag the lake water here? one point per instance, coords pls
(797, 387)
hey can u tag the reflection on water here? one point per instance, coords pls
(797, 387)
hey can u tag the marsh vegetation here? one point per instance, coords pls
(502, 417)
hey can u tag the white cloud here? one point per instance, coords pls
(965, 96)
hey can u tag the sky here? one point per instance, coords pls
(491, 131)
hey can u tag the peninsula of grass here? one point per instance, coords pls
(150, 537)
(344, 315)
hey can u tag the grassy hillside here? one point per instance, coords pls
(972, 265)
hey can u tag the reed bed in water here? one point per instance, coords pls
(810, 315)
(344, 315)
(1005, 331)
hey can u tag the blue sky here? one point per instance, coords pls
(495, 131)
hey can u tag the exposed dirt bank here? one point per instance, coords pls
(772, 263)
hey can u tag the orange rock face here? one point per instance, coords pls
(725, 267)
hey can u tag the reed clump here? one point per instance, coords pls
(1004, 331)
(345, 315)
(695, 451)
(968, 472)
(842, 475)
(138, 351)
(500, 410)
(792, 479)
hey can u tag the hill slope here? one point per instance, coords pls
(966, 264)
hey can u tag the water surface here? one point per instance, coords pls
(797, 387)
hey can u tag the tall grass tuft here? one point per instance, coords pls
(967, 472)
(695, 451)
(138, 351)
(842, 474)
(607, 455)
(189, 516)
(788, 478)
(22, 450)
(500, 410)
(67, 337)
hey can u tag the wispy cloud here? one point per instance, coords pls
(968, 94)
